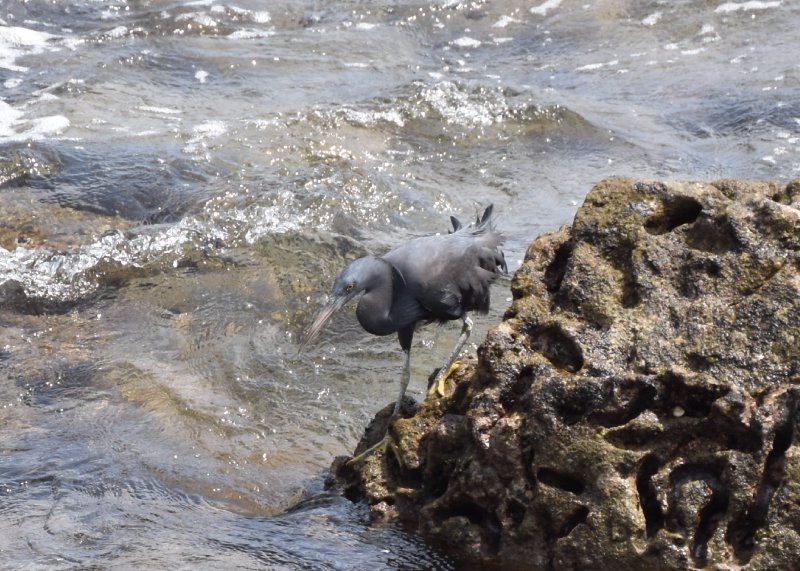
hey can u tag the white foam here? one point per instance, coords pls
(543, 8)
(728, 7)
(201, 76)
(200, 18)
(62, 276)
(504, 21)
(692, 52)
(203, 132)
(16, 42)
(15, 127)
(596, 66)
(72, 43)
(250, 34)
(41, 127)
(372, 118)
(210, 129)
(458, 107)
(160, 110)
(8, 118)
(257, 16)
(652, 19)
(117, 32)
(466, 42)
(706, 29)
(45, 96)
(261, 17)
(709, 34)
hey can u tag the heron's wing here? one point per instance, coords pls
(449, 275)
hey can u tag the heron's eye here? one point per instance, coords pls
(350, 287)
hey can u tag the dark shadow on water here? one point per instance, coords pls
(141, 183)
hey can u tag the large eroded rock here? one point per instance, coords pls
(638, 406)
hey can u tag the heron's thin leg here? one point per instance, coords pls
(387, 442)
(436, 385)
(403, 379)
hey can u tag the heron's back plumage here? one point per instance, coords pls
(448, 275)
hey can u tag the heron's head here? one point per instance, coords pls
(355, 278)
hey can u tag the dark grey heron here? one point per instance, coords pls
(429, 279)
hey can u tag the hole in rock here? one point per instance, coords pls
(742, 531)
(583, 400)
(622, 258)
(630, 290)
(557, 346)
(575, 519)
(514, 397)
(648, 499)
(487, 521)
(710, 513)
(709, 519)
(694, 398)
(698, 362)
(554, 274)
(630, 401)
(715, 236)
(573, 412)
(516, 510)
(676, 211)
(561, 481)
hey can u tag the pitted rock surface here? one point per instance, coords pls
(638, 406)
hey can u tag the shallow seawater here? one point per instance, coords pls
(180, 182)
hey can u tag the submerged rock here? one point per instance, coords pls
(638, 406)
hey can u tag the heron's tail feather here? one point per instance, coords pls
(487, 216)
(482, 222)
(492, 257)
(484, 232)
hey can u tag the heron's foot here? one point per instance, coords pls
(385, 443)
(395, 450)
(439, 383)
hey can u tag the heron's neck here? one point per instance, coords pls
(375, 306)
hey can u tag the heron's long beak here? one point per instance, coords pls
(333, 305)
